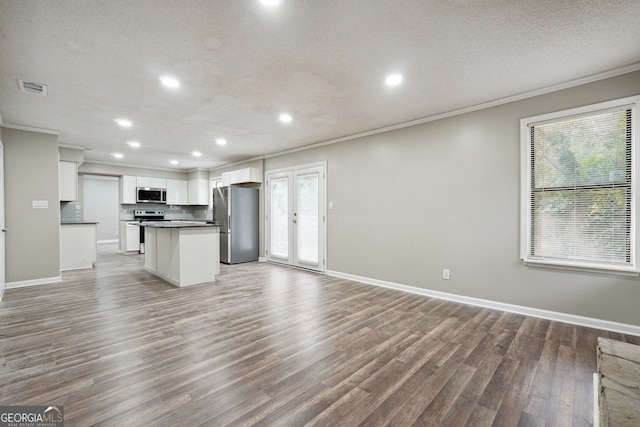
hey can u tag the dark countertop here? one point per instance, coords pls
(78, 222)
(176, 224)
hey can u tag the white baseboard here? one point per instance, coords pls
(589, 322)
(34, 282)
(262, 259)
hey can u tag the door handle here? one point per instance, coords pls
(4, 230)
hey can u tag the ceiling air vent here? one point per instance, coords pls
(33, 87)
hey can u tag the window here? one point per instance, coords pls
(579, 188)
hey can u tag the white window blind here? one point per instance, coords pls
(580, 189)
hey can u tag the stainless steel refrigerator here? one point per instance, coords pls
(236, 210)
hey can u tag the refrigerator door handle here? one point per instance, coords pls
(229, 224)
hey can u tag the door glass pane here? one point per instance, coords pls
(280, 217)
(308, 218)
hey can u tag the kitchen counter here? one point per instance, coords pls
(78, 222)
(183, 253)
(176, 224)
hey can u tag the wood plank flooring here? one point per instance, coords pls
(268, 345)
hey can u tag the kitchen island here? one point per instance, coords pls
(183, 253)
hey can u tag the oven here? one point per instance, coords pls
(141, 215)
(151, 195)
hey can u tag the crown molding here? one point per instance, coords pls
(31, 129)
(489, 104)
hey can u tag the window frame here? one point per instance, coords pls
(526, 233)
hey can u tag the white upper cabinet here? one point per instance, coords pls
(177, 192)
(159, 183)
(128, 189)
(243, 176)
(149, 182)
(198, 191)
(143, 181)
(68, 181)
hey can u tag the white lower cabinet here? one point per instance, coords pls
(129, 236)
(133, 237)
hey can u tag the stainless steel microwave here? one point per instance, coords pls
(151, 195)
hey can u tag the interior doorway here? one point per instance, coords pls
(101, 204)
(295, 215)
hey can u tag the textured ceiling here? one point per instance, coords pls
(323, 61)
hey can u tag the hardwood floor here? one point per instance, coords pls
(269, 345)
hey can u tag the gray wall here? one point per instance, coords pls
(71, 154)
(102, 204)
(31, 173)
(446, 194)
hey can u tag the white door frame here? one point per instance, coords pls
(290, 173)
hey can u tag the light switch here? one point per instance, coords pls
(330, 205)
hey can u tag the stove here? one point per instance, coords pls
(147, 215)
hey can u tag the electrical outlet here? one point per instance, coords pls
(445, 273)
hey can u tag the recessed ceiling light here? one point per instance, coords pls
(221, 141)
(133, 144)
(117, 155)
(270, 2)
(285, 118)
(124, 123)
(173, 162)
(196, 153)
(170, 82)
(393, 79)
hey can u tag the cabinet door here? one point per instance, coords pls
(128, 189)
(149, 182)
(226, 179)
(144, 181)
(198, 191)
(133, 238)
(68, 181)
(177, 192)
(246, 175)
(158, 183)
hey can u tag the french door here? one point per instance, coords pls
(296, 216)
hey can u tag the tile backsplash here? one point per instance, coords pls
(74, 211)
(71, 211)
(170, 211)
